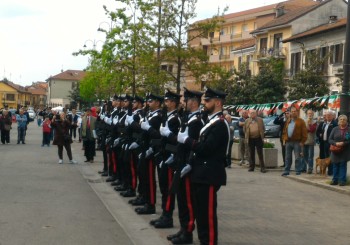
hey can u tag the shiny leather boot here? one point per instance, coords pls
(146, 209)
(165, 222)
(172, 236)
(184, 238)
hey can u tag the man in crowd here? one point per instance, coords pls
(294, 137)
(74, 120)
(89, 134)
(21, 126)
(254, 134)
(243, 145)
(281, 120)
(209, 162)
(323, 132)
(308, 160)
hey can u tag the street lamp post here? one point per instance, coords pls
(93, 42)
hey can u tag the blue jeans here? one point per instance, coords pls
(21, 134)
(308, 161)
(290, 147)
(339, 172)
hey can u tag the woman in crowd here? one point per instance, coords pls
(340, 136)
(5, 126)
(62, 137)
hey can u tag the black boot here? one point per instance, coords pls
(153, 221)
(138, 201)
(165, 222)
(128, 193)
(146, 209)
(116, 183)
(120, 188)
(110, 179)
(184, 238)
(172, 236)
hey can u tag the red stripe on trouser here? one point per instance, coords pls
(151, 183)
(211, 215)
(114, 158)
(133, 173)
(170, 180)
(190, 225)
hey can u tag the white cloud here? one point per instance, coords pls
(38, 37)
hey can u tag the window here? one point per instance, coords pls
(239, 61)
(10, 97)
(295, 63)
(263, 45)
(211, 34)
(170, 68)
(164, 67)
(323, 56)
(277, 41)
(337, 54)
(244, 27)
(233, 30)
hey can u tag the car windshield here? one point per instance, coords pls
(269, 120)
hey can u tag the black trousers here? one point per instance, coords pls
(73, 132)
(148, 169)
(205, 203)
(89, 149)
(5, 136)
(166, 175)
(185, 204)
(283, 147)
(258, 144)
(68, 149)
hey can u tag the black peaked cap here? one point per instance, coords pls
(211, 93)
(172, 96)
(192, 94)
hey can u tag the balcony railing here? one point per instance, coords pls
(224, 56)
(272, 52)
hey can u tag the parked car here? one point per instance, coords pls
(31, 115)
(271, 129)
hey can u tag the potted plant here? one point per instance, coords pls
(270, 155)
(235, 152)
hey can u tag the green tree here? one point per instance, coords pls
(270, 85)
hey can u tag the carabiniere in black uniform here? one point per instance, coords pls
(208, 173)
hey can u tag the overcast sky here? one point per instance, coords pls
(38, 37)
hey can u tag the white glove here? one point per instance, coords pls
(165, 131)
(107, 120)
(115, 121)
(149, 152)
(116, 142)
(129, 120)
(182, 136)
(133, 146)
(170, 159)
(185, 170)
(140, 155)
(161, 164)
(145, 125)
(102, 116)
(107, 140)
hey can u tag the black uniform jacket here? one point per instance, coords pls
(210, 152)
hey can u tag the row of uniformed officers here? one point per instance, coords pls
(188, 151)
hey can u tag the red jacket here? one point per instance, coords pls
(47, 126)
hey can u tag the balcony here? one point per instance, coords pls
(214, 58)
(272, 52)
(224, 57)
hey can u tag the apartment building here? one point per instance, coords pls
(236, 41)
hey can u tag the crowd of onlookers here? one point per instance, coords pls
(298, 140)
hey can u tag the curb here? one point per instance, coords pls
(321, 185)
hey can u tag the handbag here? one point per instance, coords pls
(336, 149)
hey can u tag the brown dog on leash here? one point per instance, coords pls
(323, 165)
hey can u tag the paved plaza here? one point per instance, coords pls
(42, 202)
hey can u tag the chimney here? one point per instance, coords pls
(333, 19)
